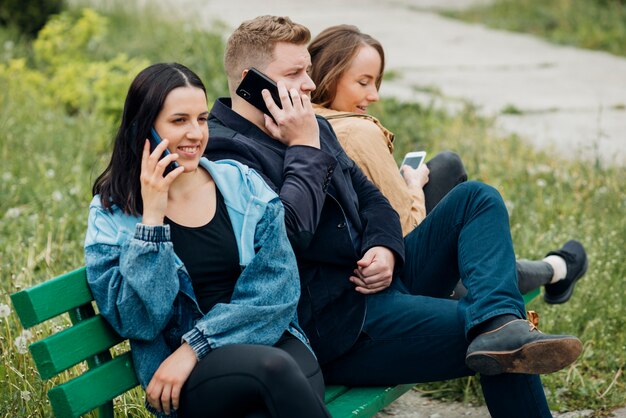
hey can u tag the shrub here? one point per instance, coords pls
(65, 76)
(28, 16)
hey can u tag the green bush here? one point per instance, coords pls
(66, 76)
(29, 16)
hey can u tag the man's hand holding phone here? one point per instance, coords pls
(295, 123)
(155, 187)
(288, 115)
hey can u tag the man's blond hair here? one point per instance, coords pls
(252, 44)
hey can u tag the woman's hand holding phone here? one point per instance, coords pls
(295, 123)
(415, 177)
(155, 187)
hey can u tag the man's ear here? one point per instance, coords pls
(243, 73)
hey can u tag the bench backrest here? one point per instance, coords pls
(88, 339)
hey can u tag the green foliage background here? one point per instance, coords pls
(28, 16)
(61, 97)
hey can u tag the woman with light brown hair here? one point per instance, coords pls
(348, 68)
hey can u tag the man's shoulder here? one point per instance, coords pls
(218, 129)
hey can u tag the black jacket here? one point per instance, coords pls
(333, 214)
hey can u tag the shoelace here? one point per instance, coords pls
(533, 320)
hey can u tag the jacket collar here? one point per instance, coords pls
(236, 187)
(222, 110)
(331, 114)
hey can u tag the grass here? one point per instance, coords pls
(51, 159)
(592, 24)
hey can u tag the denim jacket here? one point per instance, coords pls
(144, 291)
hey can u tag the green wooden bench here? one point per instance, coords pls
(90, 339)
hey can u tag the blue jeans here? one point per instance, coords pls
(413, 333)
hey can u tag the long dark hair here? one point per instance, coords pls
(119, 183)
(332, 52)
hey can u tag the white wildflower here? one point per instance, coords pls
(13, 213)
(26, 395)
(8, 45)
(57, 196)
(21, 344)
(74, 191)
(541, 183)
(7, 176)
(50, 173)
(27, 334)
(4, 310)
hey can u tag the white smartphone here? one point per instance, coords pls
(414, 159)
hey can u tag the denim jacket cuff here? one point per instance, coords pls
(152, 233)
(198, 343)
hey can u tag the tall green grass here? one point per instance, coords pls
(592, 24)
(50, 159)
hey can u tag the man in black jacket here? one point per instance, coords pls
(374, 304)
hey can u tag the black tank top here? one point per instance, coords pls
(210, 256)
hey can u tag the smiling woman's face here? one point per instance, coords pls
(183, 122)
(356, 88)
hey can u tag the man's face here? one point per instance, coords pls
(291, 64)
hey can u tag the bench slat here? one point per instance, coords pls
(366, 401)
(94, 387)
(52, 298)
(531, 295)
(64, 349)
(333, 392)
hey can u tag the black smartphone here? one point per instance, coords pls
(250, 88)
(155, 140)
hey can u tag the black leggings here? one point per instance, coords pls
(446, 171)
(256, 381)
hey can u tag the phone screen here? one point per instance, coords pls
(253, 83)
(155, 140)
(413, 161)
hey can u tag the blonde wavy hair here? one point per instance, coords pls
(252, 44)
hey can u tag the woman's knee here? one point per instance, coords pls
(450, 163)
(276, 365)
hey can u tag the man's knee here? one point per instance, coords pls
(479, 192)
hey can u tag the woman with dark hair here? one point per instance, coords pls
(347, 68)
(194, 267)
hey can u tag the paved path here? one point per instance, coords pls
(572, 99)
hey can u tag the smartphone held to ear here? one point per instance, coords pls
(155, 140)
(250, 88)
(414, 159)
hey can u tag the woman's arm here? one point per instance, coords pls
(367, 145)
(266, 294)
(416, 179)
(134, 282)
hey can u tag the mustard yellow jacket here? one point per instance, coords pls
(370, 145)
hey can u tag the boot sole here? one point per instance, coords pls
(539, 357)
